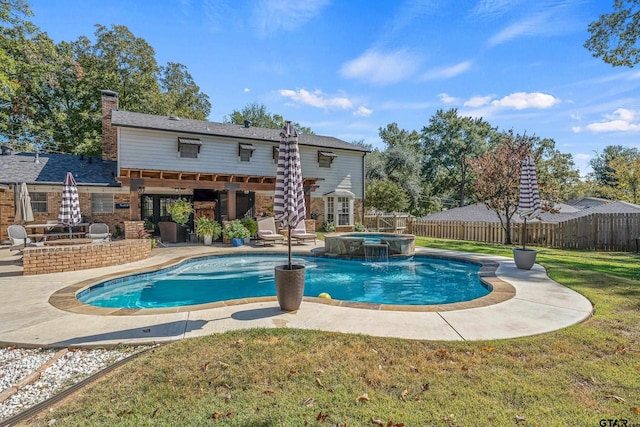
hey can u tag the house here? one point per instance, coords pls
(227, 171)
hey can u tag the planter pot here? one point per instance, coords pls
(290, 286)
(524, 258)
(208, 240)
(237, 241)
(247, 240)
(171, 232)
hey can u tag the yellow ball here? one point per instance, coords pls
(324, 295)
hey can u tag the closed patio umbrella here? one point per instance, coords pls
(289, 208)
(24, 213)
(529, 199)
(70, 208)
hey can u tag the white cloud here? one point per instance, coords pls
(362, 112)
(271, 16)
(582, 156)
(524, 100)
(621, 120)
(447, 72)
(477, 101)
(317, 99)
(446, 99)
(576, 129)
(493, 7)
(246, 90)
(381, 68)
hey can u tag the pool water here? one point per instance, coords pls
(416, 281)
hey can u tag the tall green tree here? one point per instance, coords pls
(614, 37)
(498, 177)
(180, 95)
(449, 142)
(259, 116)
(385, 195)
(602, 174)
(626, 172)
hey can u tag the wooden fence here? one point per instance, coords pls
(603, 232)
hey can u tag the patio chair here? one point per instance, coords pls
(99, 232)
(267, 233)
(19, 239)
(299, 234)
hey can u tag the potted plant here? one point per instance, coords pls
(176, 231)
(208, 229)
(251, 225)
(236, 232)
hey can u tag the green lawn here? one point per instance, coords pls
(283, 377)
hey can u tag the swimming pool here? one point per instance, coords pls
(417, 281)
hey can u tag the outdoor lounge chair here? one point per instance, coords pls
(99, 232)
(299, 234)
(18, 236)
(267, 233)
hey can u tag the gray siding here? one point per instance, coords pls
(156, 150)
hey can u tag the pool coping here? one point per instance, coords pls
(500, 291)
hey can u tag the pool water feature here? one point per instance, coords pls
(417, 281)
(361, 245)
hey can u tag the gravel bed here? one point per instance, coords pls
(74, 366)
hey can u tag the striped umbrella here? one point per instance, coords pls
(70, 209)
(529, 200)
(289, 209)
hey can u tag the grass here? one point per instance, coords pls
(283, 377)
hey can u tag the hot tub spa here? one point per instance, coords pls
(365, 245)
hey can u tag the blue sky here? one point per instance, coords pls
(347, 68)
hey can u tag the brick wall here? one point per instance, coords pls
(55, 259)
(263, 205)
(132, 229)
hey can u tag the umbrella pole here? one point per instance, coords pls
(524, 235)
(289, 245)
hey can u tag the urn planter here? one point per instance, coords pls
(524, 258)
(290, 286)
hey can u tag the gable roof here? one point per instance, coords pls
(479, 212)
(52, 169)
(201, 127)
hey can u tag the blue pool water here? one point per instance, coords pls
(416, 281)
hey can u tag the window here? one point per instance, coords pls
(245, 151)
(101, 203)
(325, 158)
(189, 147)
(276, 154)
(39, 203)
(339, 207)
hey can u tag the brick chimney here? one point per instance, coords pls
(109, 135)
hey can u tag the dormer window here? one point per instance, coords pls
(189, 147)
(325, 158)
(245, 151)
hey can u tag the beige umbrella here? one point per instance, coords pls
(24, 213)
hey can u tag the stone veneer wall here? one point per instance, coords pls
(56, 259)
(317, 207)
(133, 229)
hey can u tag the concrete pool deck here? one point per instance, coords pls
(27, 318)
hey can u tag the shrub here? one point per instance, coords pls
(180, 210)
(207, 227)
(359, 227)
(328, 226)
(251, 225)
(235, 230)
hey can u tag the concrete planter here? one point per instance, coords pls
(524, 258)
(290, 286)
(208, 240)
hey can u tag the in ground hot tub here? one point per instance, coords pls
(374, 245)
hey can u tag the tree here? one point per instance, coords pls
(259, 116)
(498, 177)
(403, 163)
(180, 95)
(449, 142)
(626, 172)
(602, 174)
(614, 36)
(386, 196)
